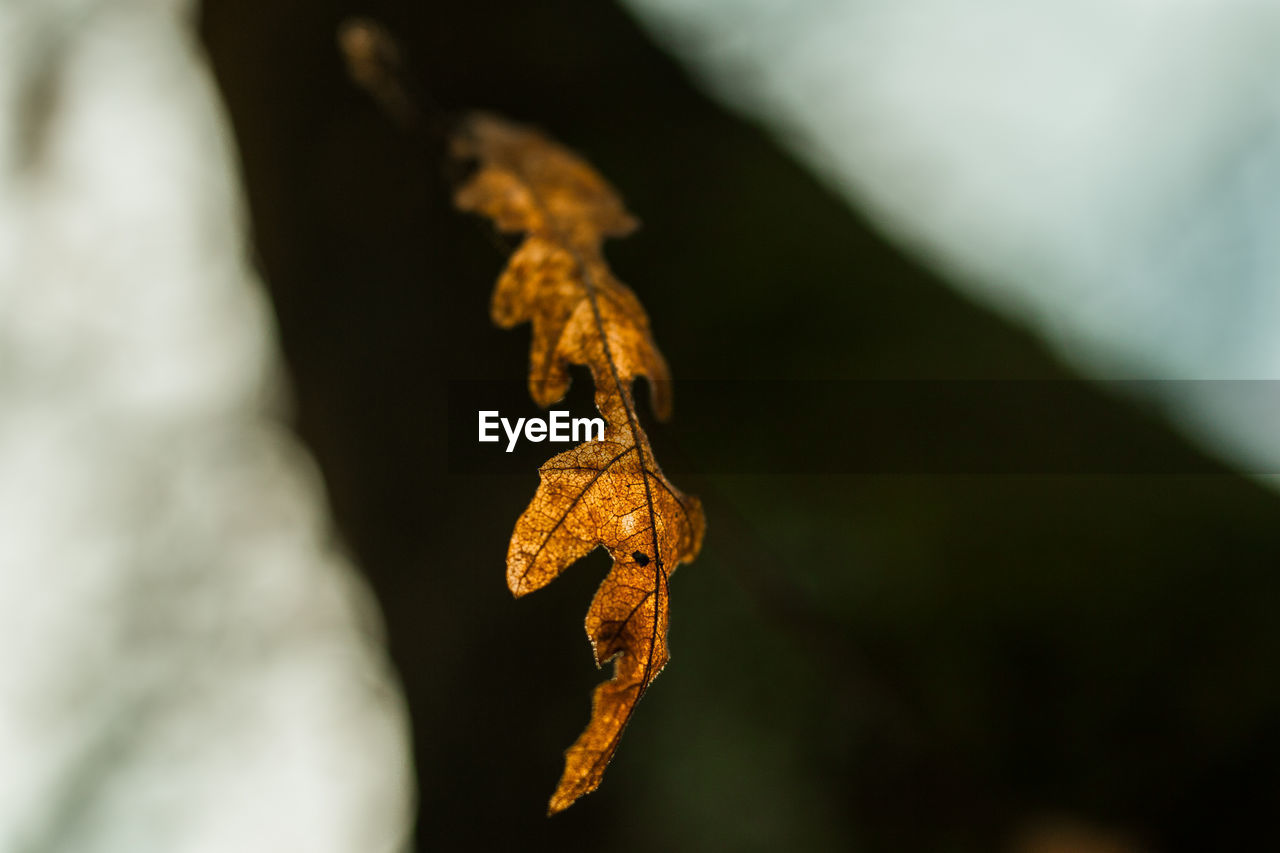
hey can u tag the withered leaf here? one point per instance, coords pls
(607, 492)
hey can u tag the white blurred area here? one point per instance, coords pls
(1106, 171)
(189, 661)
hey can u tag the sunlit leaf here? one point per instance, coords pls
(607, 492)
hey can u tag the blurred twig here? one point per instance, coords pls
(375, 61)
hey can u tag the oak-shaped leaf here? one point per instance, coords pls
(604, 493)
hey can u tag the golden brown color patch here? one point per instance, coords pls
(609, 492)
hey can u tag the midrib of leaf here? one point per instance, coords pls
(659, 572)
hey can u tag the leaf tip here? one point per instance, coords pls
(517, 576)
(518, 587)
(569, 791)
(551, 390)
(660, 392)
(557, 804)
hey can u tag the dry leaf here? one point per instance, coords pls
(607, 492)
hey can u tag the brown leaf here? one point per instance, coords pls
(608, 492)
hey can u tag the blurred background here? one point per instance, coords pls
(972, 315)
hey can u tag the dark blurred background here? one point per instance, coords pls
(934, 658)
